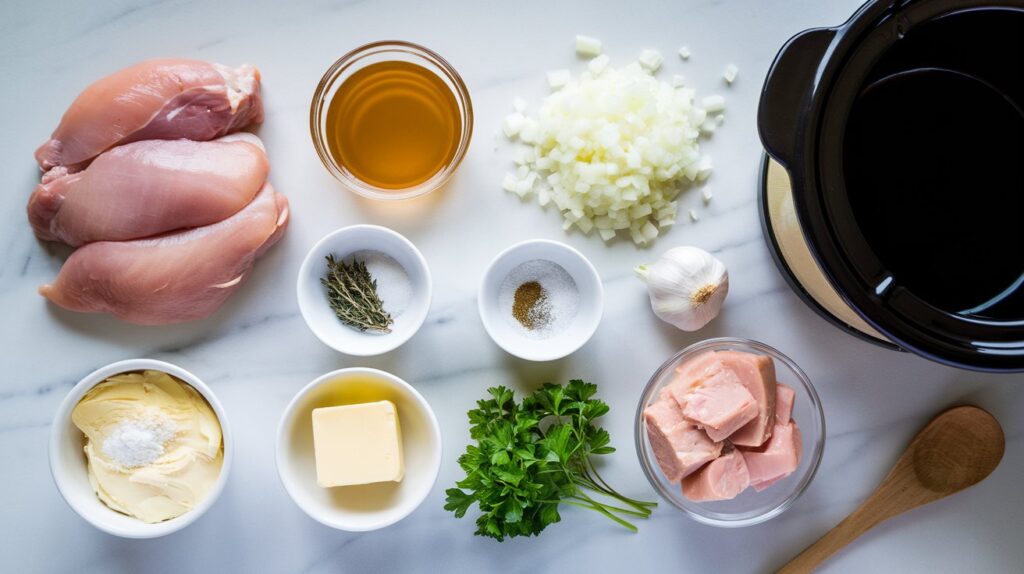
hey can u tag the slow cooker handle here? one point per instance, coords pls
(787, 91)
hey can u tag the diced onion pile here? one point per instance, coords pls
(612, 147)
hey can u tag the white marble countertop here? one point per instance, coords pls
(256, 352)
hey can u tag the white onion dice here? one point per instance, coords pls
(611, 148)
(587, 46)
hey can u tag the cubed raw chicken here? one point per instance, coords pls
(720, 405)
(735, 402)
(699, 366)
(721, 479)
(665, 394)
(154, 99)
(664, 413)
(690, 374)
(784, 399)
(763, 485)
(757, 374)
(679, 447)
(150, 187)
(777, 459)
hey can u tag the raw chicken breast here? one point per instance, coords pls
(154, 99)
(149, 187)
(175, 277)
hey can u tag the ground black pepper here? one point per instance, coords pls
(528, 306)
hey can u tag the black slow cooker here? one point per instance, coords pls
(893, 192)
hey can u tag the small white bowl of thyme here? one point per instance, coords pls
(364, 290)
(541, 300)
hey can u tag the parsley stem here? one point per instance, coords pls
(643, 510)
(638, 504)
(636, 513)
(602, 510)
(580, 480)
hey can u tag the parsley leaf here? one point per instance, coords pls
(532, 456)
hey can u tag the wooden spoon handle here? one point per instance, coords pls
(860, 521)
(957, 449)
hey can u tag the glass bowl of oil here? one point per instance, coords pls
(391, 120)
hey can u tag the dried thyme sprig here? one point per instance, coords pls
(352, 293)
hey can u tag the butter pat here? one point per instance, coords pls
(357, 444)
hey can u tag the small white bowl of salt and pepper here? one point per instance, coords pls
(541, 300)
(401, 285)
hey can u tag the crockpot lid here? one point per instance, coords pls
(850, 249)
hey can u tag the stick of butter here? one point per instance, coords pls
(357, 444)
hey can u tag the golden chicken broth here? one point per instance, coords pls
(393, 125)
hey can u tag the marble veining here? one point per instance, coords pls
(256, 352)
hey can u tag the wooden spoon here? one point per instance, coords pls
(957, 449)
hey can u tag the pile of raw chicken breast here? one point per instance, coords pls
(167, 205)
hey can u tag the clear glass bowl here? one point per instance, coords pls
(750, 507)
(361, 57)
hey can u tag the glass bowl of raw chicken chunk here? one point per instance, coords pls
(730, 431)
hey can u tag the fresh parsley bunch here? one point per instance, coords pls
(532, 456)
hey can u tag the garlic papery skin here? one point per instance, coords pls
(687, 286)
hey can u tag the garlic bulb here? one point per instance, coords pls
(687, 286)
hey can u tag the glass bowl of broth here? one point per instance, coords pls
(391, 120)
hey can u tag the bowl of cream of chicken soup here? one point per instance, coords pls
(140, 448)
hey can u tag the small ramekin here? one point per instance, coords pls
(366, 507)
(316, 309)
(750, 507)
(387, 51)
(588, 314)
(70, 470)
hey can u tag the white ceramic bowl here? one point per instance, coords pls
(371, 506)
(317, 311)
(69, 469)
(510, 337)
